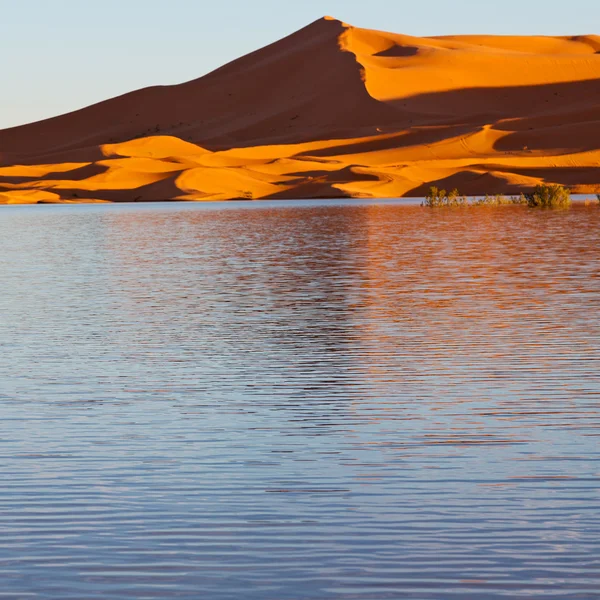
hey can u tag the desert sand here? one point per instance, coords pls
(331, 111)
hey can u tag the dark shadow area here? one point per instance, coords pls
(467, 182)
(78, 174)
(561, 137)
(405, 139)
(158, 191)
(339, 176)
(319, 184)
(503, 102)
(569, 176)
(398, 52)
(461, 111)
(474, 182)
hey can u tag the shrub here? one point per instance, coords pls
(437, 198)
(598, 196)
(549, 196)
(499, 200)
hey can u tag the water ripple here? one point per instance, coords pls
(299, 401)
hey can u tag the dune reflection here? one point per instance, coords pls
(350, 400)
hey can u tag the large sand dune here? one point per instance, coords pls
(331, 110)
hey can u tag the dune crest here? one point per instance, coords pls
(331, 111)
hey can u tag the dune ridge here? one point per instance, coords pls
(331, 111)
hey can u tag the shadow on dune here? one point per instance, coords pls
(398, 52)
(320, 184)
(469, 182)
(404, 139)
(472, 181)
(502, 102)
(158, 191)
(569, 176)
(558, 118)
(562, 116)
(559, 136)
(77, 174)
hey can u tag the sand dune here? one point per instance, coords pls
(331, 111)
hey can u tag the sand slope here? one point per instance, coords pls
(331, 110)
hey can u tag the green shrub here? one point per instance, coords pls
(549, 196)
(499, 200)
(437, 198)
(543, 196)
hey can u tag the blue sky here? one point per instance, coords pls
(60, 55)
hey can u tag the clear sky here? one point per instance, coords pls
(60, 55)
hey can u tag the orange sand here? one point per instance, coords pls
(331, 111)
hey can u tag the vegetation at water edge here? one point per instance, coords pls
(543, 196)
(437, 198)
(440, 198)
(549, 196)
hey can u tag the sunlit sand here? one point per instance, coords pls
(331, 111)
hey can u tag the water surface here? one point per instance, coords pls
(286, 401)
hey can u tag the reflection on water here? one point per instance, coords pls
(303, 401)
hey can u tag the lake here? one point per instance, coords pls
(303, 400)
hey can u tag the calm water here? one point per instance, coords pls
(299, 401)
